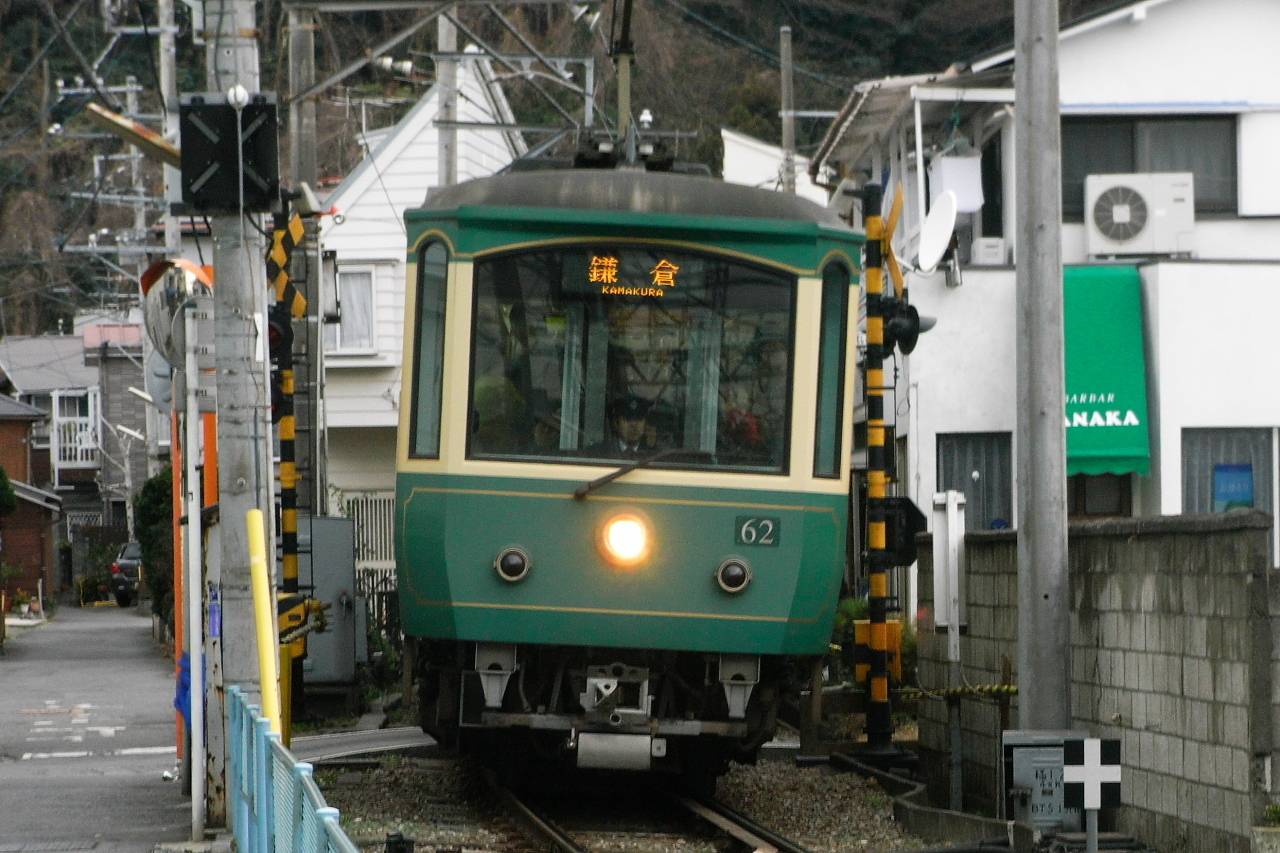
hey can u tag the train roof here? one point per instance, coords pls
(628, 190)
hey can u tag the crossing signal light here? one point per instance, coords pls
(903, 326)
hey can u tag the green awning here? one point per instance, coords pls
(1106, 371)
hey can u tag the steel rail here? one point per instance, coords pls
(741, 827)
(531, 821)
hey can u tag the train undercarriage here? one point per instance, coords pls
(602, 708)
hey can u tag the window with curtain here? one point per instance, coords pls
(1226, 469)
(354, 332)
(1202, 145)
(980, 464)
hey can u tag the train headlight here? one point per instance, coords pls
(512, 565)
(624, 539)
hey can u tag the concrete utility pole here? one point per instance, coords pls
(157, 423)
(244, 460)
(309, 370)
(1044, 642)
(788, 115)
(447, 80)
(142, 235)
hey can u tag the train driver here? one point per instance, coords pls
(630, 424)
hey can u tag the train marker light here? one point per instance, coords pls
(624, 539)
(733, 575)
(512, 565)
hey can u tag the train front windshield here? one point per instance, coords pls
(608, 354)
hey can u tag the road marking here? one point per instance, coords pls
(105, 731)
(133, 750)
(147, 750)
(68, 738)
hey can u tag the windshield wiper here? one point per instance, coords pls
(587, 488)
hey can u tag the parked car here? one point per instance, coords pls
(126, 573)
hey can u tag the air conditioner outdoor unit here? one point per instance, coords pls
(1145, 214)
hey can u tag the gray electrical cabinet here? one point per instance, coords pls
(327, 564)
(1032, 779)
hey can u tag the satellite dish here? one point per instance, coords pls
(935, 234)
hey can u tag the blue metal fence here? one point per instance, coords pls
(274, 802)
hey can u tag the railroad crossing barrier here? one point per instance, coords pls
(275, 806)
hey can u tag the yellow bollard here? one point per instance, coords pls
(263, 604)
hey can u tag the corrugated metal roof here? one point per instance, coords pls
(38, 363)
(40, 497)
(11, 409)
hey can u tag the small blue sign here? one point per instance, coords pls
(1232, 487)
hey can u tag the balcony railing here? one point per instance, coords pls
(374, 514)
(75, 443)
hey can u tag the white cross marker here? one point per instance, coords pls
(1092, 773)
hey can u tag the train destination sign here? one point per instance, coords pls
(605, 270)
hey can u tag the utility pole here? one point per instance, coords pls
(138, 189)
(244, 460)
(167, 70)
(622, 50)
(447, 80)
(788, 115)
(308, 370)
(1044, 642)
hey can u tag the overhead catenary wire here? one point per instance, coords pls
(13, 88)
(764, 53)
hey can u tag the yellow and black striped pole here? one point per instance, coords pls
(879, 560)
(290, 304)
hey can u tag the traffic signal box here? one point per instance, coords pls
(215, 169)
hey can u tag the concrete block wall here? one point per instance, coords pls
(987, 639)
(1172, 635)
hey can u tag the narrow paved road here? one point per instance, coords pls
(86, 730)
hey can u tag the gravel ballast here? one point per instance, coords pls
(817, 807)
(441, 805)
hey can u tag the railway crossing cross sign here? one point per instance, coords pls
(1091, 773)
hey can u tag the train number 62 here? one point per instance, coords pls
(757, 530)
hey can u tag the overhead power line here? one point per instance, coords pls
(764, 53)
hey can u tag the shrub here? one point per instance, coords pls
(153, 523)
(8, 498)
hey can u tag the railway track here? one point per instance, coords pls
(448, 804)
(616, 814)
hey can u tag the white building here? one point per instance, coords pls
(755, 163)
(1145, 94)
(367, 245)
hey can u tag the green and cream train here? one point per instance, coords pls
(623, 461)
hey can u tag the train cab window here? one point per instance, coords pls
(831, 343)
(433, 264)
(603, 354)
